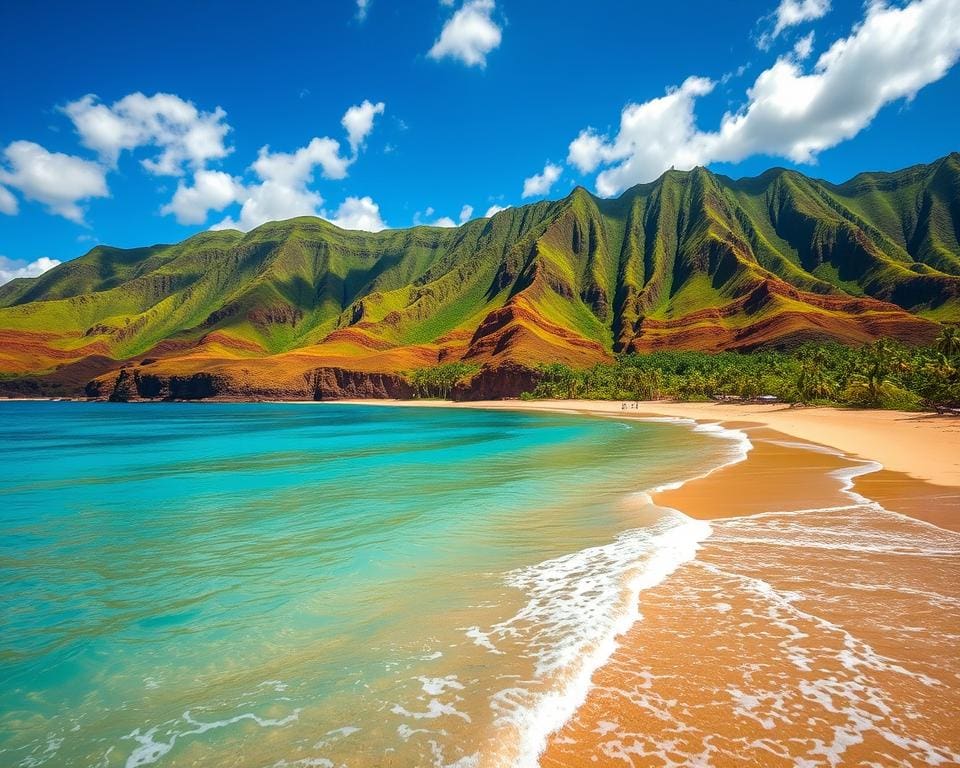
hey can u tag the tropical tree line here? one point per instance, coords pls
(439, 380)
(884, 374)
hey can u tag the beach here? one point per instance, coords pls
(513, 583)
(818, 620)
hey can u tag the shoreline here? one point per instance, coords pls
(779, 472)
(844, 473)
(793, 524)
(923, 446)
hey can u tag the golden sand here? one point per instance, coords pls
(809, 628)
(925, 446)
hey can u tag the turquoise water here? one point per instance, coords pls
(268, 584)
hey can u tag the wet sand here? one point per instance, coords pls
(813, 628)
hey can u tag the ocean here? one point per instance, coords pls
(322, 584)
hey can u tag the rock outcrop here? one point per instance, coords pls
(495, 382)
(131, 384)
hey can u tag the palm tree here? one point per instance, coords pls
(948, 342)
(564, 381)
(812, 382)
(872, 386)
(644, 385)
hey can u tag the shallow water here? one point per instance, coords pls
(265, 584)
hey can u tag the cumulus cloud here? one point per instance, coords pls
(803, 47)
(358, 122)
(540, 183)
(789, 112)
(186, 139)
(358, 213)
(426, 218)
(183, 134)
(493, 210)
(296, 167)
(211, 191)
(789, 13)
(362, 7)
(653, 136)
(14, 268)
(469, 35)
(8, 203)
(283, 190)
(58, 181)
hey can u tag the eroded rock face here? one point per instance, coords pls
(341, 384)
(495, 382)
(131, 384)
(125, 387)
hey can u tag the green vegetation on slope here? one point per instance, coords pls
(691, 260)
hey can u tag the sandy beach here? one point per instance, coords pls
(817, 621)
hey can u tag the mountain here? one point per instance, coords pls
(694, 260)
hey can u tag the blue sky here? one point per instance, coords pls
(136, 123)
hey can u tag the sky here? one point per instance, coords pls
(130, 124)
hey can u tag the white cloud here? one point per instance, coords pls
(273, 201)
(283, 191)
(362, 7)
(296, 167)
(653, 136)
(13, 268)
(587, 151)
(726, 77)
(493, 210)
(185, 139)
(803, 47)
(211, 190)
(61, 182)
(8, 203)
(183, 134)
(443, 221)
(789, 13)
(890, 55)
(358, 213)
(358, 122)
(469, 35)
(540, 183)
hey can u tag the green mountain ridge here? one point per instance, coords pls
(692, 260)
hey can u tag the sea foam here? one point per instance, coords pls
(580, 604)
